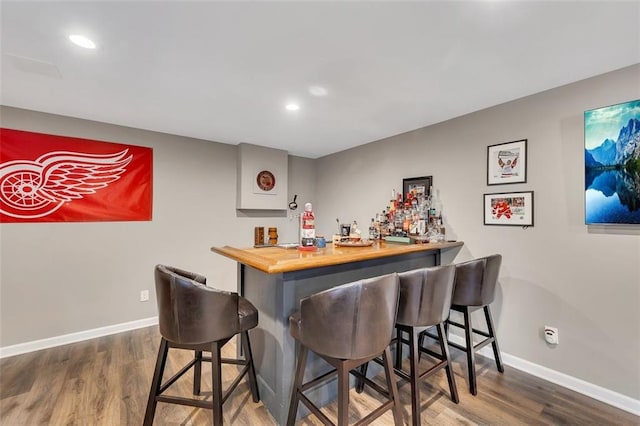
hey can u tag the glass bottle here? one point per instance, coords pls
(308, 234)
(384, 224)
(373, 234)
(398, 222)
(355, 232)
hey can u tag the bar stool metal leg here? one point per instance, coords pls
(156, 382)
(343, 394)
(471, 353)
(197, 373)
(216, 381)
(359, 382)
(398, 339)
(444, 348)
(414, 359)
(297, 383)
(391, 384)
(248, 356)
(494, 342)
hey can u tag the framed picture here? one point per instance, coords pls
(418, 186)
(612, 164)
(507, 163)
(509, 208)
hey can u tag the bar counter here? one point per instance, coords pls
(274, 279)
(276, 259)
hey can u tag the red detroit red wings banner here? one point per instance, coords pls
(47, 178)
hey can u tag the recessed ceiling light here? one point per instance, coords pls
(317, 91)
(82, 41)
(292, 107)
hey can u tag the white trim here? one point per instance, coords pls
(599, 393)
(65, 339)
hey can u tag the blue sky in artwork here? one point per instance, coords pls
(606, 122)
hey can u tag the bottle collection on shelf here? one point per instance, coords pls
(418, 217)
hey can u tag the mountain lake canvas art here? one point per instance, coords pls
(612, 164)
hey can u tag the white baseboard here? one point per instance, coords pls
(65, 339)
(599, 393)
(589, 389)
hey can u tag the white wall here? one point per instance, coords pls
(60, 278)
(583, 280)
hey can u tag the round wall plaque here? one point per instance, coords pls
(266, 180)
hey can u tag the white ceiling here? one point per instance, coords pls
(223, 71)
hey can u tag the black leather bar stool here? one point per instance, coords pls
(347, 326)
(200, 318)
(475, 286)
(425, 300)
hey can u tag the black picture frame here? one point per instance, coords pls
(508, 208)
(420, 184)
(507, 163)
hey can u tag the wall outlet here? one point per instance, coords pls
(144, 295)
(551, 335)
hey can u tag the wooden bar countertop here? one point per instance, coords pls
(273, 260)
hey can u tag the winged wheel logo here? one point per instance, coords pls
(34, 189)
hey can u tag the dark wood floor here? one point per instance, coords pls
(105, 381)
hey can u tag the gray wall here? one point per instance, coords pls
(63, 278)
(60, 278)
(585, 280)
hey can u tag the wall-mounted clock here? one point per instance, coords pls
(266, 180)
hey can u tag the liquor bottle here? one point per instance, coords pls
(441, 229)
(373, 234)
(398, 220)
(422, 221)
(308, 231)
(413, 225)
(384, 224)
(406, 221)
(355, 234)
(392, 202)
(432, 204)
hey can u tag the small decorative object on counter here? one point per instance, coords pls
(273, 236)
(308, 231)
(258, 235)
(320, 241)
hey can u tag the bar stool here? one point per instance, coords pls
(475, 285)
(346, 326)
(200, 318)
(425, 300)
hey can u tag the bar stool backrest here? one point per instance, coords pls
(476, 280)
(351, 321)
(189, 312)
(425, 296)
